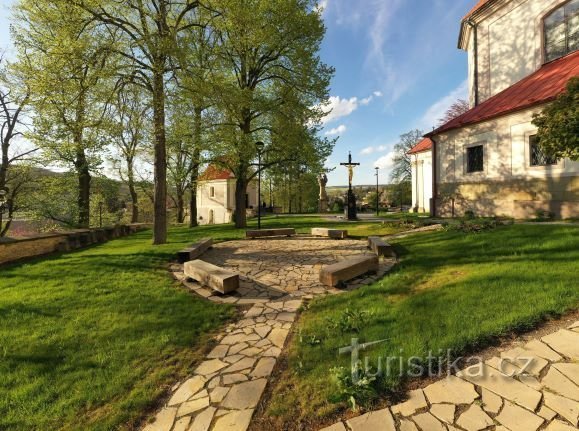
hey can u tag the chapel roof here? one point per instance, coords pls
(424, 145)
(214, 172)
(540, 87)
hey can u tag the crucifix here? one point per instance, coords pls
(351, 198)
(350, 167)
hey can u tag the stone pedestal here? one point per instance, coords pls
(351, 212)
(323, 205)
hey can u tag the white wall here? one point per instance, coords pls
(222, 205)
(510, 44)
(421, 181)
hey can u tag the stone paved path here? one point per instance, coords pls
(276, 275)
(512, 394)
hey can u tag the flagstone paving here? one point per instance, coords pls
(276, 275)
(529, 388)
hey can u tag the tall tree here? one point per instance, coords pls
(130, 136)
(271, 49)
(402, 165)
(558, 124)
(66, 62)
(150, 29)
(14, 98)
(456, 109)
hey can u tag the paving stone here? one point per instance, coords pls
(571, 371)
(244, 395)
(546, 413)
(240, 365)
(238, 348)
(218, 394)
(230, 379)
(251, 351)
(517, 418)
(200, 394)
(451, 390)
(234, 421)
(531, 382)
(491, 402)
(416, 401)
(278, 336)
(209, 367)
(192, 406)
(559, 384)
(574, 325)
(427, 422)
(540, 349)
(163, 421)
(526, 361)
(507, 387)
(564, 342)
(336, 427)
(214, 382)
(233, 358)
(182, 424)
(272, 351)
(567, 408)
(558, 425)
(264, 367)
(187, 390)
(444, 412)
(406, 425)
(474, 419)
(378, 420)
(202, 421)
(263, 331)
(218, 352)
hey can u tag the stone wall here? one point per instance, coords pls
(39, 245)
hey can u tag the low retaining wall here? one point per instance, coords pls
(39, 245)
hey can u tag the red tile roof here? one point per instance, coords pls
(424, 145)
(540, 87)
(214, 172)
(476, 8)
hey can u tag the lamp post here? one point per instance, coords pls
(377, 193)
(259, 145)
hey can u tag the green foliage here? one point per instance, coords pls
(349, 320)
(355, 393)
(402, 170)
(558, 124)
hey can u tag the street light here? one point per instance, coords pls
(377, 193)
(259, 145)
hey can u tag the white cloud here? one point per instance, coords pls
(339, 108)
(370, 150)
(378, 94)
(337, 130)
(322, 6)
(437, 109)
(386, 162)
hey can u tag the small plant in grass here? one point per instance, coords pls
(349, 320)
(542, 215)
(469, 215)
(311, 339)
(356, 393)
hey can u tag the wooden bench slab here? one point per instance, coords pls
(337, 273)
(207, 274)
(330, 233)
(270, 232)
(380, 247)
(194, 251)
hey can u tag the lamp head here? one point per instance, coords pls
(259, 145)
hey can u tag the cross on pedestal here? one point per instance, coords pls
(351, 211)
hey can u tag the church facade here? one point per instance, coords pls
(521, 55)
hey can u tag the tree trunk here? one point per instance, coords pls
(240, 209)
(84, 180)
(160, 163)
(133, 192)
(180, 206)
(3, 174)
(195, 167)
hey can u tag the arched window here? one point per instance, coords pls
(562, 31)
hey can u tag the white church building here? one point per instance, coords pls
(521, 55)
(216, 196)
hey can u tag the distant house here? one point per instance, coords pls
(421, 164)
(521, 54)
(216, 196)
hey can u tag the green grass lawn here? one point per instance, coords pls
(90, 340)
(451, 290)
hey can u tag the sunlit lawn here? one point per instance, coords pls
(90, 340)
(451, 291)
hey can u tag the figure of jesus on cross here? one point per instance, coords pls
(350, 165)
(351, 211)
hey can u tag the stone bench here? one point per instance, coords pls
(338, 273)
(329, 233)
(216, 278)
(270, 232)
(194, 251)
(380, 247)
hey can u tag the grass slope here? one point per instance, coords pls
(89, 340)
(451, 291)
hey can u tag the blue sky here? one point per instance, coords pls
(397, 68)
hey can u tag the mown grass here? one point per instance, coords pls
(451, 290)
(90, 340)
